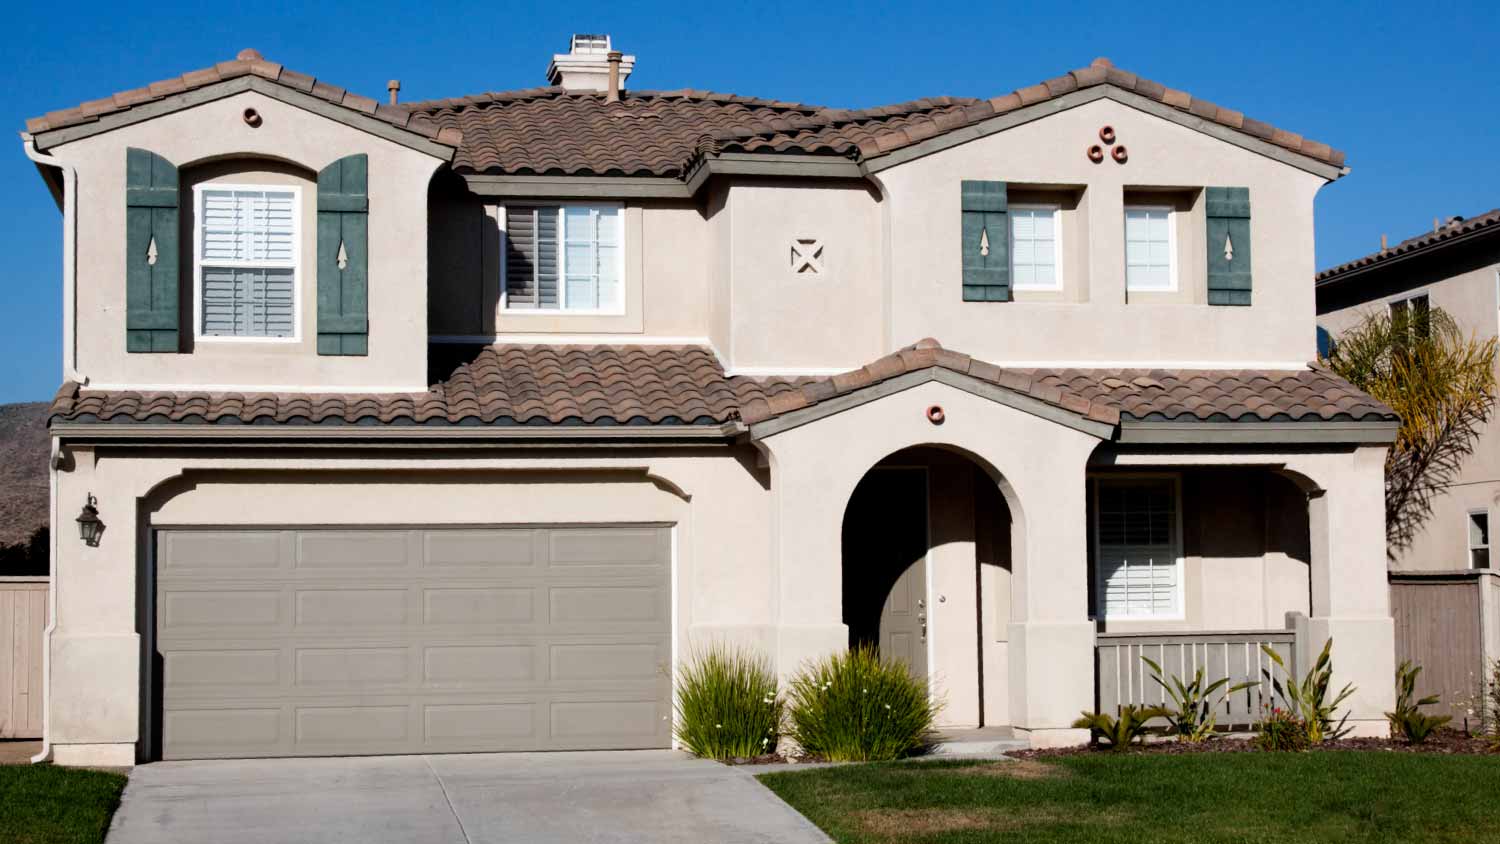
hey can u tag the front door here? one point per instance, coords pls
(885, 565)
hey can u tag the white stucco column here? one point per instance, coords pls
(1350, 592)
(1039, 464)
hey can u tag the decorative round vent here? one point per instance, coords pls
(1096, 153)
(935, 414)
(252, 118)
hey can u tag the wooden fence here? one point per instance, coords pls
(1449, 624)
(23, 618)
(1123, 678)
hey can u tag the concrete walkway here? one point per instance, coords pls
(619, 796)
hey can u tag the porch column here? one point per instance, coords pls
(1051, 635)
(1350, 591)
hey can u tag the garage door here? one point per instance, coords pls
(341, 642)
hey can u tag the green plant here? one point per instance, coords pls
(1192, 715)
(1441, 382)
(1281, 730)
(727, 704)
(855, 707)
(1308, 700)
(1408, 720)
(1122, 729)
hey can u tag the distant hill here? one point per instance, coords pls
(24, 449)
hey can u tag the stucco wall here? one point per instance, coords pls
(1469, 295)
(398, 183)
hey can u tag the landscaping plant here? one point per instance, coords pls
(1193, 713)
(855, 707)
(1120, 730)
(727, 704)
(1308, 700)
(1280, 730)
(1408, 720)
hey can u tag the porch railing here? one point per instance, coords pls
(1122, 678)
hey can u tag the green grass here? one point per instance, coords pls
(42, 804)
(1256, 798)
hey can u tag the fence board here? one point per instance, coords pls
(1439, 626)
(23, 618)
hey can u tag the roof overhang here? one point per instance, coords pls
(771, 165)
(238, 85)
(1046, 108)
(187, 433)
(1319, 432)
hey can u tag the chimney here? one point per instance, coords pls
(588, 65)
(394, 86)
(612, 93)
(1382, 243)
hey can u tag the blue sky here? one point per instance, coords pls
(1407, 91)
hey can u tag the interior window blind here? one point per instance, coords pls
(1137, 548)
(531, 238)
(248, 252)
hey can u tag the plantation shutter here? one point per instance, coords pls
(343, 257)
(152, 321)
(986, 242)
(531, 266)
(1228, 246)
(1137, 544)
(247, 302)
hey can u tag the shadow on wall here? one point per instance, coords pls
(27, 559)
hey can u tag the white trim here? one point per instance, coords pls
(1179, 553)
(1172, 216)
(562, 268)
(672, 669)
(1057, 246)
(296, 263)
(257, 388)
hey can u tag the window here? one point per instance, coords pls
(563, 258)
(1035, 248)
(1138, 563)
(246, 245)
(1150, 259)
(1479, 539)
(1411, 316)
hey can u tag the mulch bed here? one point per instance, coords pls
(1442, 742)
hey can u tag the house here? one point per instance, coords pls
(1455, 267)
(455, 425)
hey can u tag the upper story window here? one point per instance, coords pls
(1035, 247)
(1479, 539)
(1138, 548)
(1411, 316)
(1150, 250)
(563, 258)
(246, 248)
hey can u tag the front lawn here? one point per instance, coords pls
(1343, 796)
(43, 804)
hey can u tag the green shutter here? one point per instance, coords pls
(1228, 246)
(151, 253)
(986, 242)
(344, 239)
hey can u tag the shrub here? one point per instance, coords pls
(856, 707)
(727, 704)
(1281, 730)
(1408, 720)
(1308, 700)
(1119, 730)
(1192, 715)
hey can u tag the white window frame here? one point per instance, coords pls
(1057, 246)
(296, 192)
(1178, 556)
(1171, 248)
(562, 265)
(1469, 542)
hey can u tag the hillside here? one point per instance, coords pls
(23, 470)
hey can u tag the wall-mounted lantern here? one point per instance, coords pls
(89, 525)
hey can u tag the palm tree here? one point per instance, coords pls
(1442, 384)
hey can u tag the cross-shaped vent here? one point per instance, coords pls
(807, 255)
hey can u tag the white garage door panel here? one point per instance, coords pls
(336, 642)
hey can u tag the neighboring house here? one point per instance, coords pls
(1455, 267)
(455, 425)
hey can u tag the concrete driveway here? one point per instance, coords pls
(618, 796)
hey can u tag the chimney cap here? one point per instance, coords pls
(585, 67)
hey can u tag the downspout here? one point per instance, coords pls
(70, 373)
(70, 255)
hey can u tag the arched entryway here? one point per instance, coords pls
(926, 574)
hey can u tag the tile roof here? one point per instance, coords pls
(1112, 395)
(644, 385)
(862, 135)
(247, 63)
(1444, 234)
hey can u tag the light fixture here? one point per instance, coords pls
(89, 526)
